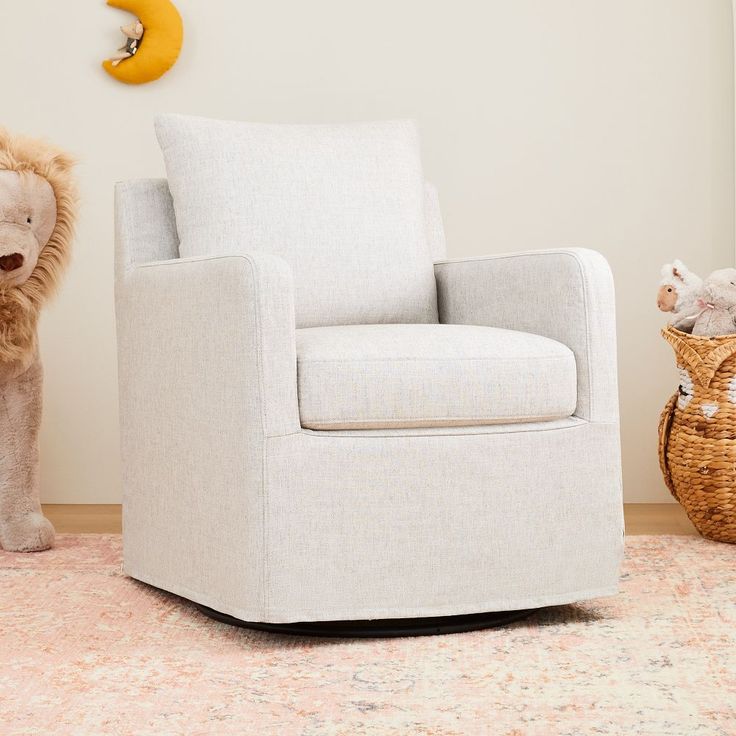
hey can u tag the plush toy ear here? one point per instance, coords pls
(680, 270)
(667, 270)
(62, 163)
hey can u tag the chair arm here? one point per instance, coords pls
(207, 346)
(564, 294)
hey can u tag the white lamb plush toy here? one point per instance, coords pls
(679, 294)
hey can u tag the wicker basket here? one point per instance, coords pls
(697, 433)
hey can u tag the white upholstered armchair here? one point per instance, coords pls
(282, 463)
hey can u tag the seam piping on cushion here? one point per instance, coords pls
(589, 371)
(434, 360)
(474, 421)
(444, 431)
(504, 256)
(264, 450)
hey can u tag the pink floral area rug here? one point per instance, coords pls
(86, 650)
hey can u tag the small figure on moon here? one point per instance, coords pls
(133, 33)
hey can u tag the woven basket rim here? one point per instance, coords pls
(701, 355)
(702, 339)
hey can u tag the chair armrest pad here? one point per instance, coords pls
(565, 294)
(217, 331)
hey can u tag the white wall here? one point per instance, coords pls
(603, 123)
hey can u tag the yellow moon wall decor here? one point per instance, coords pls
(160, 46)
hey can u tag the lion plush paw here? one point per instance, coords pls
(30, 533)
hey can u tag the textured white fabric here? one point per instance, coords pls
(433, 225)
(145, 226)
(177, 374)
(338, 203)
(565, 294)
(380, 376)
(156, 238)
(378, 527)
(228, 502)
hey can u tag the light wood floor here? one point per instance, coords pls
(641, 518)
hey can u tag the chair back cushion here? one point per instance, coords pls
(342, 204)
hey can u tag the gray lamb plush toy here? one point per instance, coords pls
(717, 305)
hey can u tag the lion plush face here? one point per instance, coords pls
(27, 219)
(37, 213)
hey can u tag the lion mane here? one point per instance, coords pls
(21, 305)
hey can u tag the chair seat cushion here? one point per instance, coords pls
(430, 375)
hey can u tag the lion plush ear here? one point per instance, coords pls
(61, 164)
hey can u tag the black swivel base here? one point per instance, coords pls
(386, 627)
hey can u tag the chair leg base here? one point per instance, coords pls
(379, 628)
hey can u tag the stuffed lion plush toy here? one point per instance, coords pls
(37, 213)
